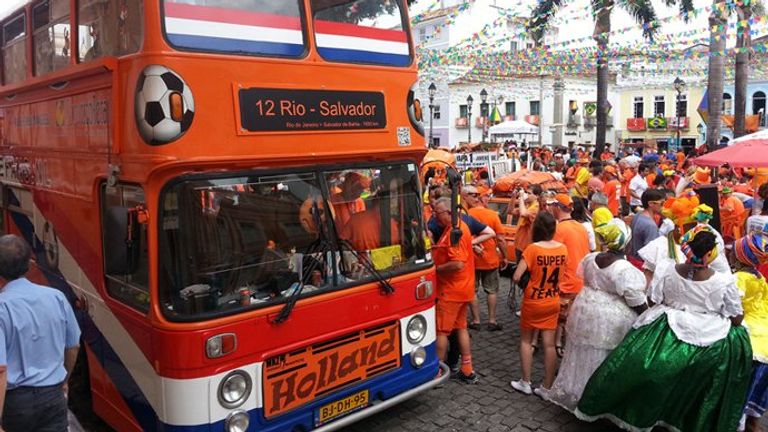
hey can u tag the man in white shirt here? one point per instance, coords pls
(637, 186)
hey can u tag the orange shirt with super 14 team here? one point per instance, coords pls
(457, 286)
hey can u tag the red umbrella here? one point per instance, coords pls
(747, 151)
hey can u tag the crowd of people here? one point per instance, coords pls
(655, 301)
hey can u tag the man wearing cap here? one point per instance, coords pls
(644, 227)
(491, 257)
(732, 214)
(574, 236)
(612, 189)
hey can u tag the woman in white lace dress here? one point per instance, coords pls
(602, 314)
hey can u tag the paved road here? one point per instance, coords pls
(491, 405)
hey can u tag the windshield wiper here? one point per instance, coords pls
(319, 245)
(386, 287)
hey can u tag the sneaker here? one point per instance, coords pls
(467, 379)
(474, 326)
(517, 314)
(522, 386)
(455, 369)
(541, 392)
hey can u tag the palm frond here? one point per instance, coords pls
(644, 14)
(686, 9)
(758, 8)
(541, 18)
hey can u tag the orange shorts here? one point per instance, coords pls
(450, 316)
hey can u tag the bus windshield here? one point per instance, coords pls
(254, 239)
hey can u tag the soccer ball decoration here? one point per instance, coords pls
(164, 105)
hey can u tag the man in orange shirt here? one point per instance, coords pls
(575, 237)
(348, 201)
(492, 254)
(627, 173)
(455, 267)
(612, 189)
(732, 214)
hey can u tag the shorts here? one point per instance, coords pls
(489, 279)
(566, 300)
(450, 316)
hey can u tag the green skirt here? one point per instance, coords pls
(652, 378)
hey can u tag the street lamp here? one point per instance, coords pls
(432, 89)
(469, 119)
(679, 87)
(484, 112)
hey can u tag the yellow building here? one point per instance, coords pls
(647, 116)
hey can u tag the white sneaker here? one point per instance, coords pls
(517, 314)
(541, 392)
(522, 386)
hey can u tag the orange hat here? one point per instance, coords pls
(584, 160)
(482, 190)
(562, 199)
(701, 176)
(610, 169)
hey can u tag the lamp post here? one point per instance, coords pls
(484, 112)
(469, 119)
(679, 87)
(702, 131)
(432, 89)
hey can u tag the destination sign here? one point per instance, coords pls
(267, 109)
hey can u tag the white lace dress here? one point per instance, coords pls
(599, 319)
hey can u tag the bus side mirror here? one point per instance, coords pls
(122, 241)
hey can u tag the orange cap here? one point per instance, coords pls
(561, 199)
(610, 169)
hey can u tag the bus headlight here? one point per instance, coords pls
(418, 357)
(234, 389)
(416, 329)
(237, 421)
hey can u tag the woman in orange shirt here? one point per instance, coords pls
(545, 259)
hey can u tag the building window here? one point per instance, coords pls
(435, 141)
(758, 102)
(659, 109)
(638, 107)
(14, 52)
(682, 106)
(513, 46)
(509, 108)
(727, 103)
(463, 111)
(422, 34)
(535, 108)
(436, 112)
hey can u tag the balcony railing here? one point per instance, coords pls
(574, 121)
(480, 122)
(532, 119)
(509, 117)
(684, 123)
(590, 121)
(462, 123)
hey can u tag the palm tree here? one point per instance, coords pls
(744, 12)
(643, 13)
(717, 21)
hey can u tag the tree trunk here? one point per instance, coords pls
(743, 43)
(602, 28)
(716, 69)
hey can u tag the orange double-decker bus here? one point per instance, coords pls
(228, 193)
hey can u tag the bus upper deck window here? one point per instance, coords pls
(361, 31)
(50, 21)
(252, 27)
(109, 27)
(14, 54)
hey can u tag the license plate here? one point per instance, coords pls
(341, 407)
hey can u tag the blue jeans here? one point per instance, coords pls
(40, 409)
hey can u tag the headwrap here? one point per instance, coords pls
(702, 213)
(692, 258)
(615, 234)
(752, 249)
(681, 209)
(601, 216)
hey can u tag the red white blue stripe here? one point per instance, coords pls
(360, 44)
(232, 30)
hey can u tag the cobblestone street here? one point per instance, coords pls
(491, 405)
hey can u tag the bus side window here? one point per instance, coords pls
(109, 28)
(14, 52)
(50, 20)
(126, 264)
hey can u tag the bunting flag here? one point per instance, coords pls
(495, 115)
